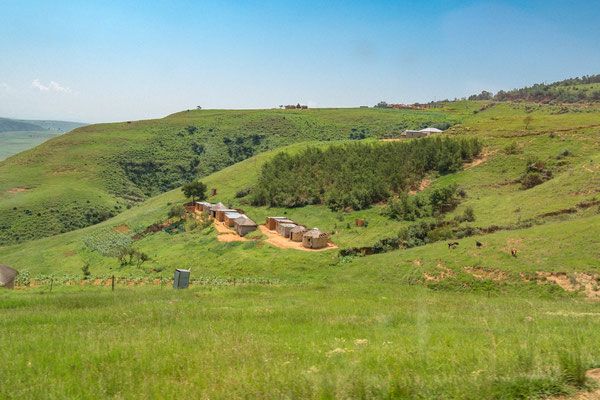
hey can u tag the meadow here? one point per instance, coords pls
(314, 340)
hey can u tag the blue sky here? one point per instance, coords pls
(97, 61)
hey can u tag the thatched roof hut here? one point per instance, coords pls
(215, 207)
(244, 225)
(297, 232)
(314, 239)
(7, 276)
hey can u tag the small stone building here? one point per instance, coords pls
(220, 214)
(271, 222)
(314, 239)
(244, 225)
(285, 229)
(7, 277)
(297, 232)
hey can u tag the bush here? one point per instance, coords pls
(512, 148)
(530, 180)
(243, 192)
(572, 368)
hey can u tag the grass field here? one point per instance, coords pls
(338, 340)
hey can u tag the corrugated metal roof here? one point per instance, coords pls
(233, 215)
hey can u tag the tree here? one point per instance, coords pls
(194, 189)
(298, 105)
(527, 120)
(381, 104)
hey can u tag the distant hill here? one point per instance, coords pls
(20, 135)
(574, 90)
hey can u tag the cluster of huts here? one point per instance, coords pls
(229, 216)
(311, 239)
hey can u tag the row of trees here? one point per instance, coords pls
(561, 92)
(356, 175)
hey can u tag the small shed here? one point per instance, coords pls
(314, 239)
(282, 221)
(7, 276)
(220, 214)
(297, 232)
(215, 207)
(200, 206)
(285, 229)
(271, 222)
(244, 225)
(230, 216)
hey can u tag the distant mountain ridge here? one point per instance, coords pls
(18, 125)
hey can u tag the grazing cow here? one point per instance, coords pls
(452, 245)
(479, 244)
(513, 251)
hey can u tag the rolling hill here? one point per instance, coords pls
(422, 322)
(97, 171)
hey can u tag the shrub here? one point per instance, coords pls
(572, 368)
(531, 179)
(512, 148)
(243, 192)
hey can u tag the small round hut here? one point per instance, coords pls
(297, 232)
(314, 239)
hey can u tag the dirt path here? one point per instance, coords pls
(480, 160)
(279, 241)
(226, 234)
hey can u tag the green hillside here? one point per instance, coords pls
(566, 143)
(421, 322)
(97, 171)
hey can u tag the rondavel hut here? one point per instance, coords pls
(244, 225)
(214, 208)
(7, 277)
(314, 239)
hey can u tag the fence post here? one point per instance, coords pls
(233, 282)
(113, 283)
(51, 283)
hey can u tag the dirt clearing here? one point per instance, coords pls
(279, 241)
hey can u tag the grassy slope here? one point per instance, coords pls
(461, 337)
(494, 203)
(78, 179)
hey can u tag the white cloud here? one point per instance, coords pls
(52, 86)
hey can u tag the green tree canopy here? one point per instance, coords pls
(194, 190)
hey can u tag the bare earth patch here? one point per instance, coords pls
(226, 234)
(424, 184)
(445, 272)
(122, 228)
(482, 273)
(16, 190)
(593, 375)
(580, 281)
(277, 240)
(70, 254)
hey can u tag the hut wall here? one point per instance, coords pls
(297, 236)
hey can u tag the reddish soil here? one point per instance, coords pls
(480, 160)
(70, 254)
(16, 190)
(227, 234)
(122, 228)
(273, 238)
